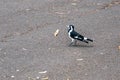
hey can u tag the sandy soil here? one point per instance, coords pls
(30, 51)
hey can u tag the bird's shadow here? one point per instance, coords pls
(88, 46)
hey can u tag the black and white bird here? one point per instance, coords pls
(74, 36)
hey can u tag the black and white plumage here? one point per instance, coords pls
(73, 35)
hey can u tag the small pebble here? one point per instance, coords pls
(12, 76)
(68, 79)
(43, 72)
(29, 78)
(99, 3)
(27, 9)
(86, 74)
(37, 77)
(24, 49)
(102, 53)
(17, 70)
(74, 4)
(5, 53)
(79, 59)
(75, 0)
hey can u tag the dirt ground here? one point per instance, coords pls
(30, 51)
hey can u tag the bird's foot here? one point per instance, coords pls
(71, 44)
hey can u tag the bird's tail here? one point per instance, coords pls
(89, 40)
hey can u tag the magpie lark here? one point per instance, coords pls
(74, 36)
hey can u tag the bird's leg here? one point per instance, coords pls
(71, 42)
(75, 41)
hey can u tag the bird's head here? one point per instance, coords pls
(70, 27)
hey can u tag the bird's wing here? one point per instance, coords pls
(76, 35)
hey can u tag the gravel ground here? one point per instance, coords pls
(30, 51)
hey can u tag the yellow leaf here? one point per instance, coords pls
(56, 32)
(119, 47)
(46, 78)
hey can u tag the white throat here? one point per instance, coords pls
(70, 32)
